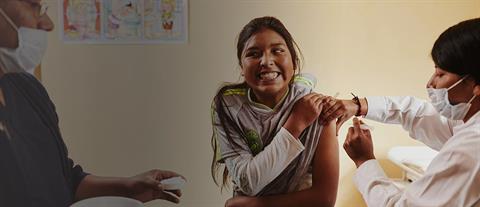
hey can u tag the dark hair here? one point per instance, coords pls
(457, 49)
(228, 124)
(272, 23)
(253, 27)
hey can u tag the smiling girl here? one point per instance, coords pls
(266, 129)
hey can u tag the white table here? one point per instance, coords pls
(413, 160)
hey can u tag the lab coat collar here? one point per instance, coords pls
(472, 122)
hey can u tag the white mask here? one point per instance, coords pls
(441, 103)
(32, 44)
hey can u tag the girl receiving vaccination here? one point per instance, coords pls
(266, 129)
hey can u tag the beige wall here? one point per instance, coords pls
(128, 108)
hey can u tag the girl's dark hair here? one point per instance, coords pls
(457, 49)
(272, 23)
(253, 27)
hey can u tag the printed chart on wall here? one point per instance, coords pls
(124, 21)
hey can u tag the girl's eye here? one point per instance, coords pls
(278, 50)
(252, 54)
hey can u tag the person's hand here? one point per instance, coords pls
(146, 186)
(304, 112)
(342, 110)
(243, 201)
(358, 144)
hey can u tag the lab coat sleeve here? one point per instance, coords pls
(451, 180)
(416, 116)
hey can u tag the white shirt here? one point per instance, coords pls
(453, 177)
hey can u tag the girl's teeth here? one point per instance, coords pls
(268, 76)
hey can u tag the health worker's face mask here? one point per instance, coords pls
(32, 44)
(441, 103)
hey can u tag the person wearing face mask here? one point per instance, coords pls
(450, 124)
(35, 169)
(32, 44)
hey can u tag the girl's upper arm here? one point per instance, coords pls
(326, 164)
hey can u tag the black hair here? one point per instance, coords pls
(457, 49)
(272, 23)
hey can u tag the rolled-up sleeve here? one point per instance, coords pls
(77, 175)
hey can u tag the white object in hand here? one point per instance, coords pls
(365, 127)
(175, 183)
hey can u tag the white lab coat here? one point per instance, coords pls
(453, 177)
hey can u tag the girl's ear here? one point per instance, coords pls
(242, 72)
